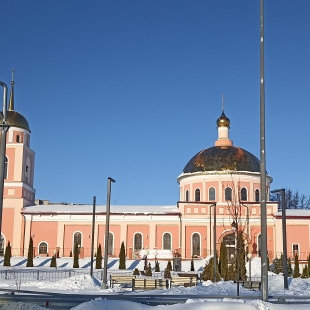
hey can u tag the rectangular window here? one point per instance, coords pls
(295, 249)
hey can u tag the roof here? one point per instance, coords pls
(16, 119)
(218, 158)
(88, 209)
(294, 213)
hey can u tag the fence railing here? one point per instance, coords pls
(56, 275)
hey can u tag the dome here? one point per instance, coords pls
(218, 158)
(223, 121)
(16, 119)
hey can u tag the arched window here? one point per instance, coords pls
(196, 244)
(257, 195)
(211, 193)
(228, 193)
(110, 244)
(197, 194)
(138, 242)
(244, 195)
(77, 239)
(43, 248)
(5, 168)
(167, 241)
(186, 195)
(18, 138)
(229, 240)
(2, 242)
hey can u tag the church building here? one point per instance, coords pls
(219, 186)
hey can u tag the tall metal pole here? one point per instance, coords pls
(238, 260)
(210, 223)
(285, 272)
(93, 238)
(214, 241)
(284, 240)
(3, 130)
(264, 259)
(107, 230)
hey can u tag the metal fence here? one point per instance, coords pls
(56, 275)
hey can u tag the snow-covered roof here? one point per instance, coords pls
(85, 209)
(294, 213)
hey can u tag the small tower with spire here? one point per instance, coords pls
(18, 175)
(223, 124)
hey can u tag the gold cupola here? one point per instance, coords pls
(13, 118)
(223, 121)
(223, 125)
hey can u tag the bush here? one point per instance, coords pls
(167, 274)
(53, 262)
(296, 273)
(223, 262)
(148, 272)
(208, 271)
(192, 264)
(99, 257)
(122, 257)
(30, 254)
(76, 256)
(7, 255)
(157, 267)
(136, 272)
(305, 273)
(169, 265)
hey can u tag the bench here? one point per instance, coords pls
(149, 284)
(120, 279)
(183, 281)
(252, 285)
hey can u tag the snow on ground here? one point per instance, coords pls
(85, 284)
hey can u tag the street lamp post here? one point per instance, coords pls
(250, 258)
(282, 191)
(107, 229)
(214, 237)
(93, 238)
(235, 225)
(3, 130)
(263, 185)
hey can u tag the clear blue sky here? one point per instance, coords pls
(132, 90)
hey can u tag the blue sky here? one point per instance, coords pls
(132, 90)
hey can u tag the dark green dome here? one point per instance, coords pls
(218, 158)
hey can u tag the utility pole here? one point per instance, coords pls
(263, 187)
(107, 230)
(3, 130)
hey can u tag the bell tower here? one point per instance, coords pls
(18, 174)
(19, 168)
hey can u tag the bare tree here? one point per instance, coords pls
(293, 200)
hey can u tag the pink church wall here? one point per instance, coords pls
(20, 134)
(7, 225)
(10, 153)
(44, 231)
(216, 186)
(298, 234)
(255, 232)
(143, 229)
(85, 230)
(116, 231)
(189, 230)
(173, 230)
(195, 186)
